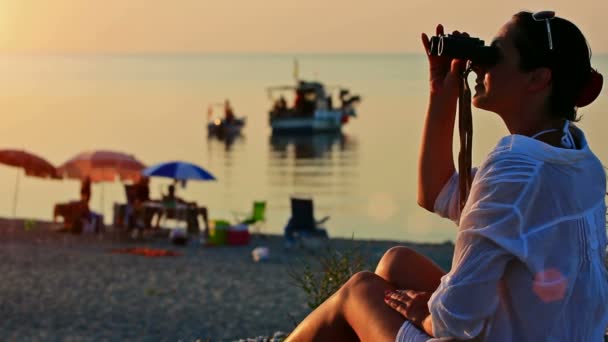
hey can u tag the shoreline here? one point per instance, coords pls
(66, 286)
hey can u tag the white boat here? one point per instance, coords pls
(313, 109)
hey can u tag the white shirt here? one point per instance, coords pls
(529, 256)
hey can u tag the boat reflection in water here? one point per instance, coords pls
(323, 165)
(227, 139)
(309, 146)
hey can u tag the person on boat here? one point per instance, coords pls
(299, 102)
(529, 254)
(282, 104)
(280, 107)
(228, 112)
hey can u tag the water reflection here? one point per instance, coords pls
(313, 146)
(319, 164)
(225, 140)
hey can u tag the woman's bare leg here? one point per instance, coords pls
(405, 268)
(356, 311)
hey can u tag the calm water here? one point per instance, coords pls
(156, 108)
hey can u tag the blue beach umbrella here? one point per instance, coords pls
(178, 170)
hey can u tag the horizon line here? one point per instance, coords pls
(294, 54)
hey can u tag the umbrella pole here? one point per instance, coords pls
(101, 198)
(15, 195)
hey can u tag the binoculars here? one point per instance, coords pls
(467, 48)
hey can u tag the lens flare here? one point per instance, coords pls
(550, 285)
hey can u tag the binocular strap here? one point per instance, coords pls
(465, 127)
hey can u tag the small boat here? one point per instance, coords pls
(223, 128)
(226, 127)
(313, 110)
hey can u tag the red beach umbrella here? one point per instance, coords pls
(102, 166)
(31, 164)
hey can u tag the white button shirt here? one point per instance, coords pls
(529, 255)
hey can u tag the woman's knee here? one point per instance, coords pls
(362, 282)
(393, 257)
(361, 277)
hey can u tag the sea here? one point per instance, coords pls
(156, 107)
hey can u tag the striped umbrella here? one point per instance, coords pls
(102, 166)
(178, 170)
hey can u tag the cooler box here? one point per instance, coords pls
(218, 232)
(238, 235)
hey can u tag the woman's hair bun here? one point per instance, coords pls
(591, 90)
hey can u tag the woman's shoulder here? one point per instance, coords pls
(506, 161)
(503, 177)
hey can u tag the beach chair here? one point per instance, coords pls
(302, 223)
(256, 218)
(75, 215)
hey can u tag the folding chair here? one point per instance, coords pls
(256, 218)
(302, 222)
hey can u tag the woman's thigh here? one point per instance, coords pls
(365, 310)
(405, 268)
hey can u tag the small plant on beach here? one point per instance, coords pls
(336, 267)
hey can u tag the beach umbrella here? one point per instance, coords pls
(31, 164)
(102, 166)
(178, 170)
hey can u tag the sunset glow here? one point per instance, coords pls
(194, 26)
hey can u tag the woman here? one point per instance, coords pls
(529, 254)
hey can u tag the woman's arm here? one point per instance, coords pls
(436, 163)
(427, 325)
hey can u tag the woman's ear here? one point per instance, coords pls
(539, 80)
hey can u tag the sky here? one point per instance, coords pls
(201, 26)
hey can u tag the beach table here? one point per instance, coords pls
(179, 213)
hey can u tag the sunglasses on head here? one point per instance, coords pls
(546, 16)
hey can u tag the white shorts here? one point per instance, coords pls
(409, 333)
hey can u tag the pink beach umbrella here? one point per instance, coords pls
(102, 166)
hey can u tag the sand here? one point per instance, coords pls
(59, 286)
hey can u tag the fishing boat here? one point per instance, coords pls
(223, 128)
(228, 126)
(313, 109)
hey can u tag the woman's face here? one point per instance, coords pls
(500, 88)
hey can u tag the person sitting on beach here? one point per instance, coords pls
(529, 254)
(87, 220)
(137, 195)
(170, 202)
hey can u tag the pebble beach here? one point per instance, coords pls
(64, 287)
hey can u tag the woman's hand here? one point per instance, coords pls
(444, 71)
(413, 305)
